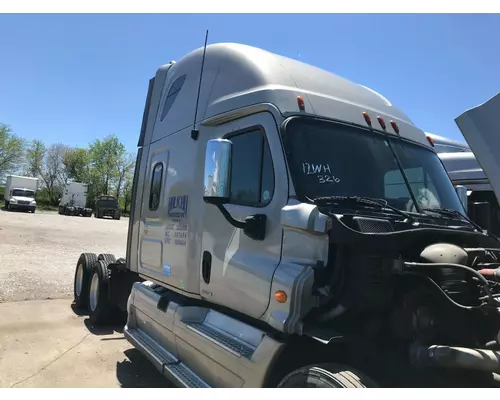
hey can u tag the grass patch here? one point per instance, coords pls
(45, 207)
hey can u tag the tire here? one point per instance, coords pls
(109, 258)
(81, 283)
(100, 308)
(331, 375)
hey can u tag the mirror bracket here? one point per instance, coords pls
(254, 226)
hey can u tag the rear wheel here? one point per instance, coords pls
(328, 375)
(109, 258)
(100, 308)
(82, 276)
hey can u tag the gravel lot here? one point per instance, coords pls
(44, 343)
(38, 252)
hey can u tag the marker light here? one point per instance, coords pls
(381, 122)
(280, 296)
(367, 118)
(395, 126)
(431, 141)
(300, 103)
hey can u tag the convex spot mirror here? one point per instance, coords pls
(217, 171)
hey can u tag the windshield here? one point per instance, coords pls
(23, 193)
(332, 159)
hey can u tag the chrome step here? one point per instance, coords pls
(222, 339)
(164, 361)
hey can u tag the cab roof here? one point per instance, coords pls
(237, 76)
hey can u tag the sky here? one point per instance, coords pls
(73, 78)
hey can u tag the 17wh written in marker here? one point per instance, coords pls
(311, 169)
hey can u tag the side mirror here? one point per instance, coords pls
(217, 171)
(217, 187)
(462, 195)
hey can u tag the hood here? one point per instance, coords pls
(22, 198)
(480, 127)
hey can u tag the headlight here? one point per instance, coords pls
(13, 200)
(33, 203)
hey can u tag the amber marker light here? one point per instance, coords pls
(280, 296)
(367, 118)
(300, 103)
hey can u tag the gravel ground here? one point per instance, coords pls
(38, 252)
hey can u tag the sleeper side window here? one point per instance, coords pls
(172, 95)
(252, 171)
(155, 192)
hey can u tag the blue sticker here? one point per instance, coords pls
(166, 270)
(177, 206)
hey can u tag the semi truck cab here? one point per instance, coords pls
(283, 228)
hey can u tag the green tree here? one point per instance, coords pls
(126, 165)
(77, 164)
(35, 155)
(105, 156)
(11, 151)
(47, 164)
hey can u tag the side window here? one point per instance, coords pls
(155, 192)
(252, 173)
(172, 94)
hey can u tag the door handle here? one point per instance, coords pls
(206, 266)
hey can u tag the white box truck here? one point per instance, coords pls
(302, 233)
(19, 193)
(74, 199)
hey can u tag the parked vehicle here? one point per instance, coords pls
(465, 167)
(290, 228)
(107, 206)
(19, 193)
(74, 200)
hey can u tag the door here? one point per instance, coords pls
(236, 270)
(151, 234)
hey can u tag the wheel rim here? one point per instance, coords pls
(79, 279)
(94, 292)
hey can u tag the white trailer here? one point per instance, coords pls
(20, 193)
(74, 199)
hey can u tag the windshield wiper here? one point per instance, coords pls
(452, 213)
(328, 200)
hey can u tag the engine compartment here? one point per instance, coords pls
(426, 285)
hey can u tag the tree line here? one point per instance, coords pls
(104, 165)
